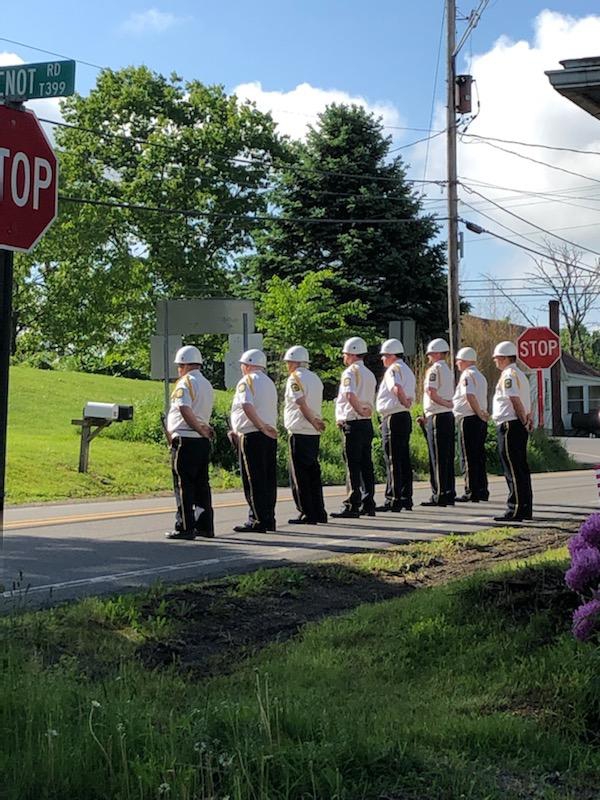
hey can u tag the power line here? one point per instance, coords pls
(528, 222)
(254, 218)
(51, 53)
(417, 141)
(534, 144)
(435, 82)
(238, 159)
(537, 161)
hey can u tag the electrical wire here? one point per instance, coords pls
(434, 90)
(534, 144)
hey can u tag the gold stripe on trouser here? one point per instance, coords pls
(243, 451)
(180, 485)
(512, 472)
(461, 427)
(392, 473)
(437, 457)
(295, 484)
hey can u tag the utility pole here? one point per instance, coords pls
(453, 297)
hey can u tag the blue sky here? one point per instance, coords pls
(383, 53)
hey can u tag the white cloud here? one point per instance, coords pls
(150, 21)
(518, 103)
(298, 108)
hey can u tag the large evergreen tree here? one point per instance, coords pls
(345, 172)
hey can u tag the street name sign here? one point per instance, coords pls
(22, 82)
(28, 180)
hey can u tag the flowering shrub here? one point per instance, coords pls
(583, 577)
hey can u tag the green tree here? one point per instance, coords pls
(308, 313)
(345, 172)
(140, 139)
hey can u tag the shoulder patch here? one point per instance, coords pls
(507, 383)
(432, 376)
(295, 387)
(241, 386)
(346, 382)
(178, 393)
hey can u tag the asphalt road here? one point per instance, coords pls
(57, 552)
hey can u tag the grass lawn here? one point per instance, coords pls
(472, 688)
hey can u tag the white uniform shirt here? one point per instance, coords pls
(360, 380)
(259, 390)
(398, 374)
(471, 381)
(438, 376)
(302, 383)
(195, 391)
(512, 383)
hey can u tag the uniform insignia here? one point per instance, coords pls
(295, 387)
(507, 383)
(432, 377)
(241, 387)
(347, 381)
(178, 393)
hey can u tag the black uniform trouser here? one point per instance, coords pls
(360, 475)
(440, 443)
(189, 464)
(512, 444)
(305, 476)
(258, 465)
(472, 432)
(395, 434)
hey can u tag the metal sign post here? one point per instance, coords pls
(6, 283)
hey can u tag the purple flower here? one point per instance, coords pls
(590, 530)
(585, 570)
(586, 620)
(576, 543)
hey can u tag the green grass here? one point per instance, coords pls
(131, 457)
(466, 690)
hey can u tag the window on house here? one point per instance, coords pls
(574, 399)
(594, 397)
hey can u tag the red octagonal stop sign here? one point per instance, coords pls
(538, 348)
(28, 180)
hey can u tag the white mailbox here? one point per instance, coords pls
(110, 411)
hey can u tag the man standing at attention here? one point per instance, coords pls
(511, 411)
(439, 424)
(395, 396)
(302, 420)
(254, 433)
(353, 410)
(471, 416)
(189, 434)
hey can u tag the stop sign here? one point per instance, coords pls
(28, 180)
(538, 348)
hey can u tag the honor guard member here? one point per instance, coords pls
(302, 420)
(511, 411)
(395, 396)
(439, 424)
(353, 410)
(189, 434)
(471, 416)
(254, 432)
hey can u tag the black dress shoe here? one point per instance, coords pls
(247, 528)
(345, 513)
(180, 535)
(407, 506)
(302, 521)
(367, 512)
(323, 518)
(464, 499)
(205, 534)
(509, 518)
(389, 507)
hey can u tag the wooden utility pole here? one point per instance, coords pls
(453, 297)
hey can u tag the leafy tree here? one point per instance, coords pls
(140, 139)
(309, 314)
(344, 172)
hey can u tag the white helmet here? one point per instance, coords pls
(254, 358)
(296, 353)
(466, 354)
(391, 347)
(355, 346)
(438, 346)
(505, 349)
(188, 355)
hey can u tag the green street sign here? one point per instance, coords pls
(34, 81)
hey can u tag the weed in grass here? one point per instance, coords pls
(282, 581)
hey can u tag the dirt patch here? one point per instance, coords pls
(221, 622)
